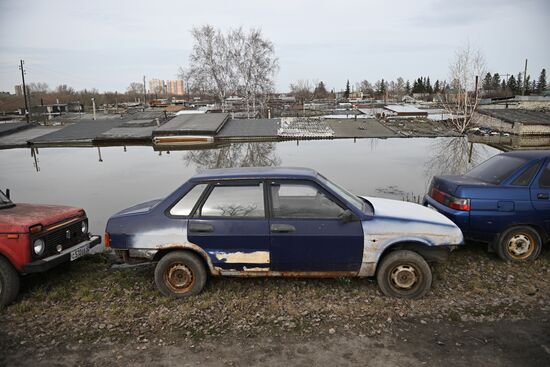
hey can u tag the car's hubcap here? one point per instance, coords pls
(179, 278)
(404, 276)
(520, 246)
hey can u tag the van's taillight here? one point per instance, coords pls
(107, 239)
(450, 201)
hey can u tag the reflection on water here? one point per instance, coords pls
(234, 155)
(453, 156)
(107, 180)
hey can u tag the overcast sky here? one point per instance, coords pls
(108, 44)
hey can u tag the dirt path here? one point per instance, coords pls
(502, 343)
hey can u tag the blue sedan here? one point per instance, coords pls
(281, 222)
(504, 202)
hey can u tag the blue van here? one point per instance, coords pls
(504, 202)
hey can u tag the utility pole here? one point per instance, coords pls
(93, 107)
(27, 109)
(523, 87)
(144, 92)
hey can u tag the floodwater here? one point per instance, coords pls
(108, 179)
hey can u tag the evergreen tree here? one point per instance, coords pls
(408, 87)
(527, 82)
(381, 87)
(541, 85)
(487, 83)
(347, 92)
(437, 87)
(534, 86)
(320, 91)
(495, 82)
(429, 88)
(519, 83)
(512, 84)
(503, 85)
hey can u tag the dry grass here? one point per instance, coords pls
(92, 303)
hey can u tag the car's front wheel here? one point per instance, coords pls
(9, 282)
(180, 274)
(519, 244)
(404, 274)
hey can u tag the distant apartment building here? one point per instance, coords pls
(18, 90)
(175, 87)
(156, 86)
(166, 87)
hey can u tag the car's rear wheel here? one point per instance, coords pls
(9, 282)
(404, 274)
(180, 274)
(519, 244)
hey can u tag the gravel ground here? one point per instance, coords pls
(91, 309)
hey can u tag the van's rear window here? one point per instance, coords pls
(496, 169)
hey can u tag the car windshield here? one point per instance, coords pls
(496, 169)
(4, 201)
(355, 200)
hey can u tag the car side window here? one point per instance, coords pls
(302, 200)
(187, 202)
(525, 178)
(545, 177)
(234, 201)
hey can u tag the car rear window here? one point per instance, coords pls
(496, 169)
(186, 203)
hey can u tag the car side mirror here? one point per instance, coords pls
(346, 216)
(8, 193)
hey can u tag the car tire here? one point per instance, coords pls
(404, 274)
(522, 243)
(180, 274)
(9, 283)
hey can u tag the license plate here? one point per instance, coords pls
(80, 252)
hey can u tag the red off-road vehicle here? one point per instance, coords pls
(35, 238)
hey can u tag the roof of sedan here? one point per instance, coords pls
(529, 154)
(256, 172)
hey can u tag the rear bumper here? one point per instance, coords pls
(459, 217)
(65, 256)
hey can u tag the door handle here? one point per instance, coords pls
(282, 228)
(201, 227)
(542, 196)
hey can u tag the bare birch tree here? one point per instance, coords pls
(235, 62)
(462, 99)
(302, 90)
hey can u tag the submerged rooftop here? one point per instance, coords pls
(526, 117)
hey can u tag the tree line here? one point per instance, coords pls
(490, 85)
(494, 84)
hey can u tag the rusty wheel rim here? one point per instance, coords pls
(179, 278)
(520, 246)
(404, 277)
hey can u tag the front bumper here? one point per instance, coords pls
(54, 260)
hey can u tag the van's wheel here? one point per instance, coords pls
(180, 274)
(519, 244)
(404, 274)
(9, 283)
